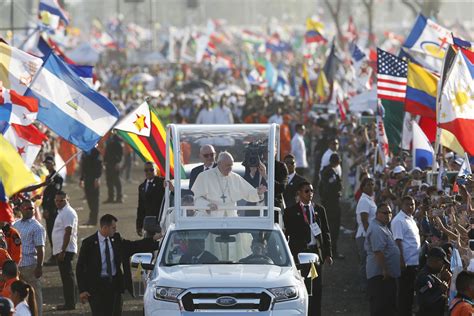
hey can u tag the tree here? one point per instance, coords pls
(369, 6)
(429, 8)
(335, 11)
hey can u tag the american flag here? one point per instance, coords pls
(391, 77)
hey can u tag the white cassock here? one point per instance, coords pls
(211, 186)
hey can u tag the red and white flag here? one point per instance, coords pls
(27, 140)
(456, 110)
(382, 139)
(17, 109)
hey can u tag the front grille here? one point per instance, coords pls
(252, 299)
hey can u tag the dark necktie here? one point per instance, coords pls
(108, 262)
(308, 217)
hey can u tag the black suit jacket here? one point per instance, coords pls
(330, 186)
(89, 264)
(299, 232)
(195, 172)
(281, 181)
(149, 201)
(206, 257)
(291, 191)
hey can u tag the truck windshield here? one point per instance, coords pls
(225, 247)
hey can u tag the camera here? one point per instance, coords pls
(253, 154)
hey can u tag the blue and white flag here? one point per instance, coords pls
(465, 168)
(69, 107)
(427, 43)
(422, 150)
(356, 53)
(53, 8)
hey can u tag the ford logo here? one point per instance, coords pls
(226, 301)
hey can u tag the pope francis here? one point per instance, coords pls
(218, 189)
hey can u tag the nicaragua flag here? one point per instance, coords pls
(53, 7)
(422, 150)
(69, 107)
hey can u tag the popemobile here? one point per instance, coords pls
(222, 252)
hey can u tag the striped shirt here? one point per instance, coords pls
(32, 235)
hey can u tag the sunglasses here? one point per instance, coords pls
(59, 200)
(146, 170)
(208, 155)
(386, 212)
(291, 163)
(308, 190)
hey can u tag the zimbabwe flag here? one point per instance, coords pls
(145, 133)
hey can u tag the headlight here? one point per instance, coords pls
(284, 293)
(169, 294)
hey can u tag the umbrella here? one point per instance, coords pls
(196, 84)
(228, 90)
(142, 77)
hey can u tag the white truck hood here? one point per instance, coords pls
(218, 275)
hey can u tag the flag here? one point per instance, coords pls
(422, 150)
(456, 110)
(421, 91)
(307, 93)
(382, 140)
(341, 108)
(313, 273)
(351, 33)
(14, 174)
(27, 140)
(69, 107)
(17, 68)
(6, 212)
(53, 8)
(282, 85)
(17, 109)
(356, 53)
(427, 43)
(144, 132)
(465, 168)
(391, 90)
(362, 69)
(459, 42)
(271, 74)
(139, 271)
(314, 31)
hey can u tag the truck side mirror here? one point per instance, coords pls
(145, 259)
(307, 258)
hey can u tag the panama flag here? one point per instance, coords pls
(427, 43)
(17, 68)
(465, 168)
(456, 110)
(69, 107)
(27, 141)
(422, 150)
(17, 109)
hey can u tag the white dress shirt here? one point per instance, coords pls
(404, 228)
(67, 217)
(205, 116)
(298, 149)
(104, 258)
(367, 205)
(325, 161)
(223, 115)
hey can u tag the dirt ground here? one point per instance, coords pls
(341, 294)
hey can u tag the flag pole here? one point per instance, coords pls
(68, 161)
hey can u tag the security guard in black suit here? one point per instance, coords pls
(294, 180)
(112, 158)
(103, 267)
(91, 170)
(330, 192)
(431, 289)
(150, 195)
(208, 157)
(307, 228)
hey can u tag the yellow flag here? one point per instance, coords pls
(313, 273)
(14, 174)
(322, 85)
(450, 141)
(139, 270)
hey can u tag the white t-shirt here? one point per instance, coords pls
(22, 309)
(67, 217)
(367, 205)
(205, 116)
(405, 229)
(298, 149)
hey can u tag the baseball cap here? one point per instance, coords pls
(6, 306)
(399, 169)
(416, 169)
(48, 159)
(439, 253)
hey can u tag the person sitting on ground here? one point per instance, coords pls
(196, 253)
(258, 256)
(9, 275)
(23, 296)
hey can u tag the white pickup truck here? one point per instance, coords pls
(211, 265)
